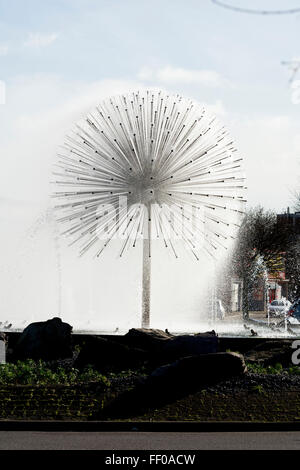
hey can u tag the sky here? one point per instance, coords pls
(59, 58)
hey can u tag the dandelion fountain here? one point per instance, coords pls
(149, 166)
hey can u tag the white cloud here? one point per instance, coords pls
(217, 108)
(38, 114)
(37, 40)
(169, 74)
(271, 149)
(3, 49)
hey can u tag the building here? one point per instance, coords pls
(292, 220)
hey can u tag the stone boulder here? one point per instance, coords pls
(164, 348)
(190, 345)
(173, 381)
(150, 340)
(48, 340)
(105, 354)
(189, 373)
(142, 347)
(270, 353)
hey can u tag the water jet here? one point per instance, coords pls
(149, 165)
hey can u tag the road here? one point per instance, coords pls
(37, 440)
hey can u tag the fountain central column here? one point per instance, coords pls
(146, 288)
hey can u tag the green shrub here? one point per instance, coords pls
(294, 370)
(31, 372)
(258, 389)
(127, 373)
(259, 369)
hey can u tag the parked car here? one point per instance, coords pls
(278, 308)
(294, 310)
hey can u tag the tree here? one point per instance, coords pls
(293, 269)
(258, 251)
(297, 201)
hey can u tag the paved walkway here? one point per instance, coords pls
(30, 440)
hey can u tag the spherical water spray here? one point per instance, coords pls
(150, 165)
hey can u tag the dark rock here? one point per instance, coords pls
(189, 373)
(241, 344)
(188, 345)
(173, 381)
(48, 340)
(270, 353)
(105, 354)
(164, 347)
(142, 347)
(147, 339)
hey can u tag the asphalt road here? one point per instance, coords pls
(37, 440)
